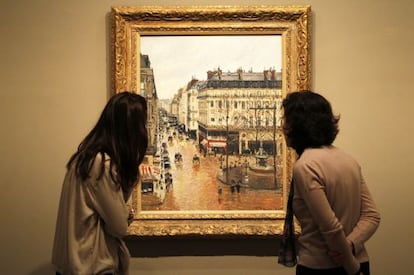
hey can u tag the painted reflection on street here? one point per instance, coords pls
(202, 184)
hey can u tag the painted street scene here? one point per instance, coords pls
(215, 142)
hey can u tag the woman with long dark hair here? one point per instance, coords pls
(93, 215)
(331, 199)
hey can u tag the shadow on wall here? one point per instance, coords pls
(219, 246)
(46, 268)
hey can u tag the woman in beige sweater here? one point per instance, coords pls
(93, 215)
(331, 199)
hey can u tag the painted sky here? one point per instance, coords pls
(178, 59)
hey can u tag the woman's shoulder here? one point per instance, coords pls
(101, 161)
(324, 151)
(100, 158)
(312, 154)
(325, 155)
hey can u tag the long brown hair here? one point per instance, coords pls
(121, 134)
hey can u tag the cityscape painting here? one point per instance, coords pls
(217, 143)
(214, 78)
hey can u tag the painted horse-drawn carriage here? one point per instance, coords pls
(178, 158)
(196, 159)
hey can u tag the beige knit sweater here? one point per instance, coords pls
(334, 208)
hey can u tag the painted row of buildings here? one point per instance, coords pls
(236, 112)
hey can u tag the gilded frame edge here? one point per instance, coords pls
(292, 22)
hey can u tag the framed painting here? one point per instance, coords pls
(214, 78)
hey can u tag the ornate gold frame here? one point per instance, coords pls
(291, 22)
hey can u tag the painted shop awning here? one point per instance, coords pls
(148, 172)
(217, 144)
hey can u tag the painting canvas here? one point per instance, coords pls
(227, 156)
(214, 78)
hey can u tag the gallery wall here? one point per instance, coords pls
(54, 82)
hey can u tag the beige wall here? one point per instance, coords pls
(54, 72)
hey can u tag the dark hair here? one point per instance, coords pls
(121, 134)
(308, 121)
